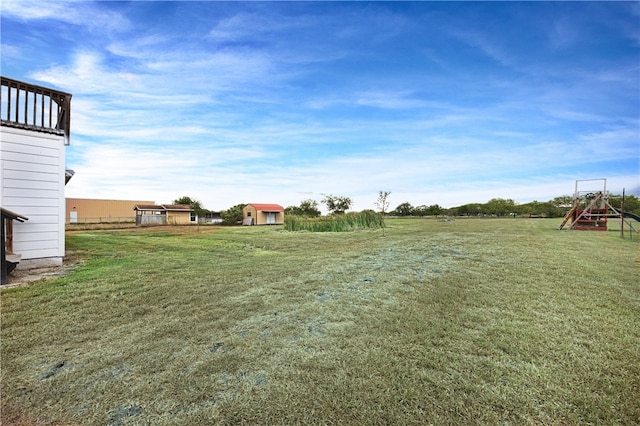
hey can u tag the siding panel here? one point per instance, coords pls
(19, 193)
(23, 158)
(47, 239)
(28, 176)
(39, 253)
(34, 227)
(29, 167)
(43, 151)
(32, 182)
(43, 200)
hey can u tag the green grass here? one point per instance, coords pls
(494, 321)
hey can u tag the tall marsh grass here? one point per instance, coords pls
(335, 223)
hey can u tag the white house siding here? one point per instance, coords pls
(32, 172)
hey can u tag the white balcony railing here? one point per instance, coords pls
(32, 107)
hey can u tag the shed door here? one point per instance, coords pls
(73, 217)
(271, 218)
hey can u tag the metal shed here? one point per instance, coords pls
(165, 214)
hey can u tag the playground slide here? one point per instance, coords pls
(628, 214)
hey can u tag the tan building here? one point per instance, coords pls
(86, 210)
(262, 214)
(165, 214)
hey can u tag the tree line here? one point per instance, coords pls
(558, 207)
(337, 204)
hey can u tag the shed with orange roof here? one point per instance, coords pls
(262, 214)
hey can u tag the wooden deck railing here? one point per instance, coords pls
(32, 107)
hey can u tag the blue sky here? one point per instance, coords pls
(438, 102)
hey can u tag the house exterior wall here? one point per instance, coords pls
(249, 212)
(178, 218)
(32, 176)
(99, 211)
(278, 218)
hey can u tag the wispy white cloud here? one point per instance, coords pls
(37, 9)
(487, 45)
(67, 11)
(254, 27)
(88, 75)
(384, 99)
(564, 33)
(9, 50)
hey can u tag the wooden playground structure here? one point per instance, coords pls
(592, 211)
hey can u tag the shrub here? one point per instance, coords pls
(233, 215)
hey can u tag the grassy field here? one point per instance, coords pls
(476, 321)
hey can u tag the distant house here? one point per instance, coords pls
(35, 123)
(262, 214)
(87, 210)
(211, 217)
(165, 214)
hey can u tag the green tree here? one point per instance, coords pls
(233, 215)
(435, 210)
(420, 211)
(529, 209)
(500, 207)
(562, 205)
(472, 209)
(188, 201)
(551, 209)
(432, 210)
(195, 204)
(308, 208)
(564, 201)
(383, 201)
(631, 203)
(404, 209)
(337, 204)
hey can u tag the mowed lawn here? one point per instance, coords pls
(473, 321)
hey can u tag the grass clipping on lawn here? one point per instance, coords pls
(466, 322)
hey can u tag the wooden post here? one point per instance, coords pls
(8, 235)
(6, 238)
